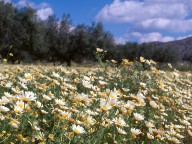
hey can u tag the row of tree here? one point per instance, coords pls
(31, 39)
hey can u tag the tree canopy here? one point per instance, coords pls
(55, 40)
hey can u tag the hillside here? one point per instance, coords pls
(182, 47)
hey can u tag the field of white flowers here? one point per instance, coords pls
(107, 105)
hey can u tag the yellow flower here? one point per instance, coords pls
(113, 95)
(189, 132)
(4, 60)
(99, 50)
(119, 121)
(125, 62)
(105, 105)
(10, 54)
(14, 123)
(114, 61)
(20, 136)
(28, 76)
(149, 136)
(142, 59)
(51, 136)
(169, 65)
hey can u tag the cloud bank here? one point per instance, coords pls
(150, 17)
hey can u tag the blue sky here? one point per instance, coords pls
(127, 20)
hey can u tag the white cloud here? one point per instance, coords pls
(133, 11)
(43, 9)
(25, 3)
(150, 37)
(173, 25)
(147, 19)
(121, 40)
(183, 37)
(146, 37)
(44, 13)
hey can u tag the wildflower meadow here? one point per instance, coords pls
(128, 104)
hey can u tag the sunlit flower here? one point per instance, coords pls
(142, 59)
(175, 140)
(119, 121)
(59, 102)
(149, 124)
(102, 82)
(2, 117)
(113, 95)
(46, 97)
(138, 117)
(51, 136)
(11, 54)
(23, 86)
(90, 120)
(44, 112)
(21, 104)
(14, 123)
(34, 125)
(8, 95)
(105, 105)
(125, 62)
(4, 100)
(189, 132)
(86, 78)
(86, 84)
(125, 89)
(169, 65)
(98, 50)
(78, 129)
(65, 114)
(56, 75)
(114, 61)
(179, 136)
(89, 112)
(27, 96)
(185, 122)
(28, 76)
(153, 104)
(149, 136)
(4, 60)
(38, 104)
(135, 132)
(121, 131)
(130, 105)
(8, 84)
(4, 109)
(143, 85)
(18, 109)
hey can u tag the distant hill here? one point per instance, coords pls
(182, 47)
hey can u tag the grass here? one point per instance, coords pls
(95, 105)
